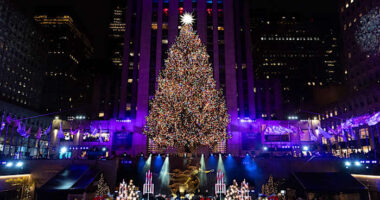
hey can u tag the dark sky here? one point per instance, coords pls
(93, 16)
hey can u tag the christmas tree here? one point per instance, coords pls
(187, 110)
(270, 188)
(233, 191)
(103, 188)
(127, 192)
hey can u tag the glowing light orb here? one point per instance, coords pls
(187, 18)
(367, 33)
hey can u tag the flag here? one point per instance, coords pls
(47, 130)
(324, 133)
(374, 119)
(27, 133)
(312, 136)
(93, 130)
(60, 132)
(19, 128)
(344, 136)
(39, 132)
(2, 122)
(8, 119)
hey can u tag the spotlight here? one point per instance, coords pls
(104, 149)
(357, 163)
(347, 163)
(63, 150)
(305, 148)
(265, 148)
(229, 154)
(246, 154)
(212, 154)
(9, 164)
(19, 164)
(142, 155)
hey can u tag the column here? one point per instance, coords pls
(143, 84)
(202, 20)
(159, 39)
(249, 62)
(173, 21)
(187, 6)
(231, 89)
(124, 71)
(215, 41)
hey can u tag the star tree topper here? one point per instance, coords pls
(187, 19)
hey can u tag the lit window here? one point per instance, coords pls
(164, 41)
(101, 114)
(130, 80)
(347, 5)
(154, 26)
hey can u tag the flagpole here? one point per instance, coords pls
(5, 139)
(48, 147)
(10, 142)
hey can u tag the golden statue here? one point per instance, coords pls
(186, 180)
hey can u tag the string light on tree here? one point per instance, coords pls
(368, 32)
(187, 110)
(233, 191)
(103, 188)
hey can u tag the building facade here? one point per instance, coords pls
(22, 58)
(360, 59)
(300, 53)
(67, 83)
(151, 27)
(22, 64)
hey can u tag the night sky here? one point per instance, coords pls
(93, 16)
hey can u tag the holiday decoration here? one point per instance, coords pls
(148, 186)
(244, 191)
(270, 188)
(233, 191)
(127, 192)
(368, 32)
(103, 188)
(220, 187)
(187, 110)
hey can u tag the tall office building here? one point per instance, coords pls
(66, 78)
(299, 54)
(116, 32)
(22, 63)
(359, 22)
(22, 58)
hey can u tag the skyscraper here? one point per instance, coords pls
(300, 54)
(116, 32)
(22, 58)
(66, 84)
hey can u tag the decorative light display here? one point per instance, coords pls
(103, 188)
(278, 130)
(270, 188)
(233, 191)
(368, 32)
(187, 110)
(127, 192)
(220, 187)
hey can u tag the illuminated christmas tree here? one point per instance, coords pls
(187, 110)
(127, 192)
(103, 188)
(233, 191)
(270, 187)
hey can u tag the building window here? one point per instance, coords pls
(101, 114)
